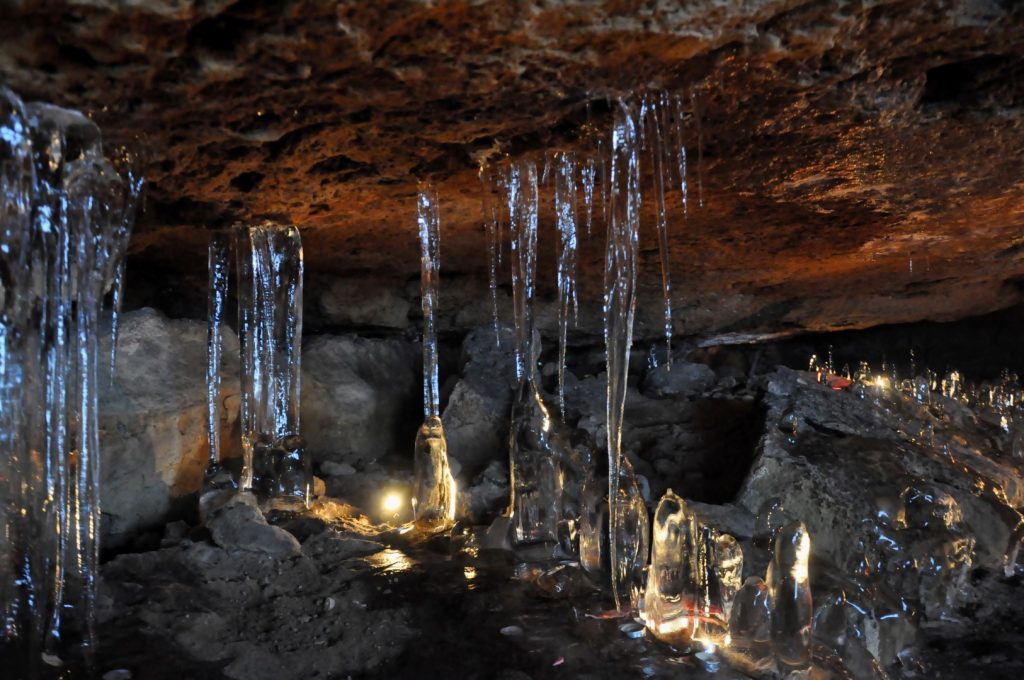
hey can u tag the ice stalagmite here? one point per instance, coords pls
(791, 605)
(565, 220)
(218, 268)
(434, 500)
(269, 276)
(669, 609)
(619, 308)
(65, 216)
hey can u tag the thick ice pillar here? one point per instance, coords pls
(269, 272)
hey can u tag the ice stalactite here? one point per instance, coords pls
(66, 213)
(435, 495)
(652, 120)
(269, 272)
(219, 266)
(565, 221)
(492, 227)
(547, 472)
(619, 308)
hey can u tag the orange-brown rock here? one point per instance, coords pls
(841, 140)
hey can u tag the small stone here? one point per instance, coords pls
(239, 525)
(333, 469)
(118, 674)
(512, 631)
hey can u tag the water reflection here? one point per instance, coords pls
(391, 561)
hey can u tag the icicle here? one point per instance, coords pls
(434, 502)
(490, 214)
(651, 121)
(428, 220)
(565, 217)
(588, 177)
(522, 209)
(130, 166)
(699, 119)
(218, 268)
(675, 112)
(269, 273)
(620, 298)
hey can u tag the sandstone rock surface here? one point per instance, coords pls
(153, 438)
(861, 161)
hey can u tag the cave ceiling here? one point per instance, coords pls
(862, 161)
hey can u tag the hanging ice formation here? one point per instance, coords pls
(619, 307)
(66, 213)
(269, 274)
(565, 220)
(547, 472)
(492, 227)
(435, 495)
(218, 271)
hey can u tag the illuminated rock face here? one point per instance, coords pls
(840, 144)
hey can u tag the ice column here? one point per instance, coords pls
(269, 272)
(65, 216)
(218, 270)
(434, 500)
(620, 306)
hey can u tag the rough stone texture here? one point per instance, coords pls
(842, 464)
(360, 397)
(476, 418)
(239, 525)
(841, 140)
(153, 420)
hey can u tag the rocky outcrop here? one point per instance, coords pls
(858, 163)
(476, 418)
(361, 398)
(153, 438)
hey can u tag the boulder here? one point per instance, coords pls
(360, 397)
(891, 493)
(476, 418)
(153, 438)
(363, 301)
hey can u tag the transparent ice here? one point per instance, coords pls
(218, 268)
(792, 608)
(66, 212)
(435, 496)
(620, 297)
(565, 221)
(269, 272)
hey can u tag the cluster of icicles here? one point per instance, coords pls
(67, 205)
(690, 592)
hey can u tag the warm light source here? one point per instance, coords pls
(392, 502)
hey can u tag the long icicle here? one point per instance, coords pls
(490, 215)
(565, 219)
(656, 151)
(428, 221)
(620, 302)
(218, 267)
